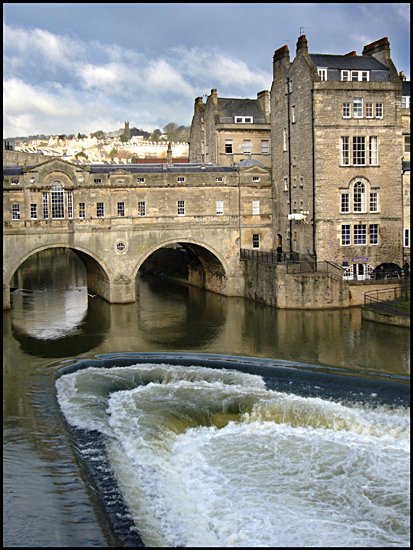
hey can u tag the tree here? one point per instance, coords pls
(113, 153)
(100, 134)
(170, 129)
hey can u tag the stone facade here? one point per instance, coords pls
(114, 218)
(337, 155)
(226, 131)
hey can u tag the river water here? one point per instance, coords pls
(192, 455)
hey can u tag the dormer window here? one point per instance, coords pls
(322, 73)
(355, 76)
(244, 119)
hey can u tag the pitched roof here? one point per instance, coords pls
(348, 62)
(406, 87)
(240, 107)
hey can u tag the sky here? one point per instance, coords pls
(70, 68)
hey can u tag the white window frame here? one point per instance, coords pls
(57, 201)
(406, 143)
(345, 76)
(373, 150)
(322, 73)
(181, 208)
(140, 180)
(181, 179)
(255, 240)
(359, 197)
(374, 201)
(70, 205)
(219, 179)
(359, 151)
(229, 146)
(406, 102)
(361, 76)
(379, 110)
(293, 114)
(243, 119)
(345, 202)
(141, 209)
(265, 147)
(255, 208)
(45, 204)
(285, 139)
(357, 107)
(100, 209)
(346, 235)
(346, 109)
(15, 212)
(220, 207)
(121, 209)
(97, 180)
(369, 109)
(374, 234)
(285, 184)
(406, 237)
(360, 234)
(345, 150)
(82, 210)
(33, 211)
(255, 178)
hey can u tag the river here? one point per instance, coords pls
(192, 449)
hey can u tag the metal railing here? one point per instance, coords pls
(389, 300)
(311, 266)
(269, 257)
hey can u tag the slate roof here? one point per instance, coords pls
(348, 62)
(246, 163)
(240, 107)
(406, 88)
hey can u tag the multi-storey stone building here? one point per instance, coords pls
(336, 127)
(225, 131)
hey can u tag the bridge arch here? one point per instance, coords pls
(211, 269)
(98, 273)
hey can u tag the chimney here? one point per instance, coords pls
(169, 154)
(379, 49)
(280, 59)
(264, 102)
(350, 54)
(403, 77)
(302, 44)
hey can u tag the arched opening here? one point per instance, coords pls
(187, 262)
(387, 270)
(23, 272)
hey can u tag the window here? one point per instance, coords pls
(220, 208)
(345, 150)
(345, 76)
(360, 234)
(33, 211)
(15, 211)
(120, 247)
(265, 147)
(82, 210)
(57, 201)
(373, 150)
(70, 205)
(379, 110)
(373, 203)
(181, 208)
(45, 203)
(121, 209)
(141, 209)
(361, 76)
(359, 197)
(322, 73)
(255, 241)
(359, 150)
(345, 202)
(100, 209)
(294, 181)
(285, 184)
(181, 179)
(374, 233)
(406, 239)
(369, 110)
(346, 110)
(406, 102)
(228, 146)
(244, 119)
(14, 182)
(293, 114)
(140, 180)
(301, 181)
(255, 178)
(345, 235)
(285, 139)
(247, 146)
(406, 143)
(219, 179)
(358, 107)
(255, 208)
(97, 180)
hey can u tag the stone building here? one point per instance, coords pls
(225, 131)
(336, 126)
(406, 166)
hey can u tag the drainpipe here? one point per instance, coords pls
(313, 155)
(289, 162)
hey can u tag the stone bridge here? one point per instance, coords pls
(115, 217)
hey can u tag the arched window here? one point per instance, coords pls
(57, 201)
(359, 197)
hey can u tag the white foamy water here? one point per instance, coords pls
(208, 457)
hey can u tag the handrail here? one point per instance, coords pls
(388, 305)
